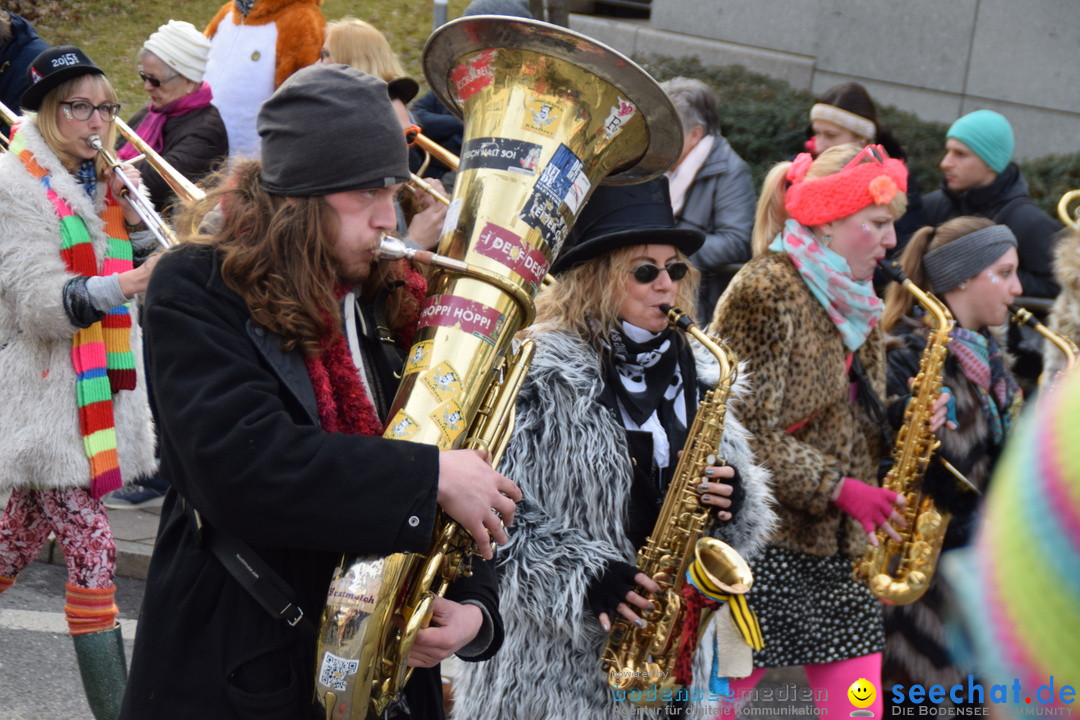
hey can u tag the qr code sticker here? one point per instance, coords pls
(335, 671)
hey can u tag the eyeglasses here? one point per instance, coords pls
(82, 110)
(156, 82)
(647, 272)
(411, 133)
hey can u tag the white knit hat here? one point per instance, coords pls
(181, 47)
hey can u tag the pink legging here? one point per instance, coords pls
(80, 524)
(829, 683)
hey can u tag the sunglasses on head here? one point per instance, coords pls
(647, 272)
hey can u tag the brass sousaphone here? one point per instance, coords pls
(548, 115)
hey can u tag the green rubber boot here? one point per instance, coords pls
(103, 670)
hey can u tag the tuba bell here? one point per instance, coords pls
(548, 114)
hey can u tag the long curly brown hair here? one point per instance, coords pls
(277, 253)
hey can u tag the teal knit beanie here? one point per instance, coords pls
(989, 136)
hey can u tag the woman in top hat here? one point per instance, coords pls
(803, 315)
(180, 124)
(75, 421)
(601, 418)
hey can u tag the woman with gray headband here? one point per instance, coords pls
(969, 263)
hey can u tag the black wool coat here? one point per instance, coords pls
(240, 440)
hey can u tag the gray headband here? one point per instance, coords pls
(957, 262)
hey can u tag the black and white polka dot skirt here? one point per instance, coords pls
(811, 610)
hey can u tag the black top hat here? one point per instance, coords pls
(618, 216)
(52, 68)
(403, 89)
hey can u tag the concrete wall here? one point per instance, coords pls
(937, 58)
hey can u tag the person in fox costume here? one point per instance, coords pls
(254, 46)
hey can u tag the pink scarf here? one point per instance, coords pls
(152, 128)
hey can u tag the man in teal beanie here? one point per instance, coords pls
(979, 178)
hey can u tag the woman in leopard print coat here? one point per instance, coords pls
(803, 316)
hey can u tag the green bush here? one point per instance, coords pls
(766, 120)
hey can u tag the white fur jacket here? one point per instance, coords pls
(570, 457)
(40, 441)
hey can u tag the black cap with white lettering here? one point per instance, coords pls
(52, 68)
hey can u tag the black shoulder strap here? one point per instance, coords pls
(251, 571)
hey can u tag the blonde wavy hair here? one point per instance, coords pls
(586, 299)
(361, 45)
(770, 216)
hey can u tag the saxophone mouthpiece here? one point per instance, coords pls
(677, 317)
(891, 268)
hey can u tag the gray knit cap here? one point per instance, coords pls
(955, 263)
(330, 128)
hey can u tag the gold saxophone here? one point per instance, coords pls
(900, 572)
(548, 115)
(638, 658)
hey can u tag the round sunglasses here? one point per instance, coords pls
(647, 272)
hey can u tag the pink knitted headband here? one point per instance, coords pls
(871, 178)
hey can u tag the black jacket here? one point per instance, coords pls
(1006, 201)
(240, 440)
(194, 144)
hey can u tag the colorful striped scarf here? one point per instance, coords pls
(101, 353)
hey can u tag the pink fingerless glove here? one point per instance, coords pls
(870, 505)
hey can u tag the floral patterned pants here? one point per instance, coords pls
(80, 524)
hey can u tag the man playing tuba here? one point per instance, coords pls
(273, 346)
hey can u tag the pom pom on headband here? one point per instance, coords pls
(871, 178)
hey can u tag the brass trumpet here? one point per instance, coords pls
(1069, 219)
(432, 150)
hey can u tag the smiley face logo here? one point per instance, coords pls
(862, 693)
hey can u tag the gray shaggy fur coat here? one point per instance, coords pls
(570, 457)
(40, 439)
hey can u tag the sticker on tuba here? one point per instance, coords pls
(335, 671)
(443, 381)
(543, 116)
(450, 419)
(620, 114)
(507, 248)
(477, 319)
(402, 427)
(472, 76)
(419, 357)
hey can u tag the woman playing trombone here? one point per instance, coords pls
(76, 421)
